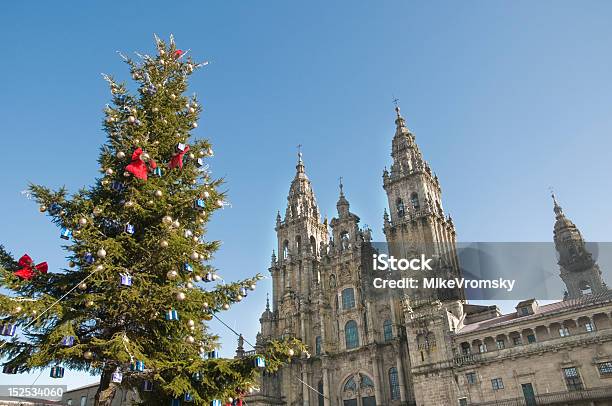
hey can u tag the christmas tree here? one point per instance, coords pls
(133, 303)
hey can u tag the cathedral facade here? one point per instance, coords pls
(417, 348)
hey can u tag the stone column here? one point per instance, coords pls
(326, 394)
(305, 389)
(376, 373)
(400, 373)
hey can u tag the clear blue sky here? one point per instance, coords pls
(505, 98)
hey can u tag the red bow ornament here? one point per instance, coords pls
(137, 167)
(177, 160)
(28, 269)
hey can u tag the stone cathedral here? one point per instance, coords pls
(368, 351)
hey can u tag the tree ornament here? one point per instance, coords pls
(82, 286)
(291, 352)
(82, 221)
(126, 174)
(173, 96)
(129, 204)
(109, 171)
(89, 303)
(180, 296)
(71, 264)
(99, 268)
(18, 309)
(195, 256)
(120, 154)
(131, 119)
(97, 211)
(137, 166)
(158, 193)
(190, 339)
(176, 224)
(190, 323)
(57, 372)
(210, 152)
(177, 159)
(28, 269)
(88, 355)
(189, 285)
(163, 244)
(101, 253)
(226, 306)
(172, 275)
(42, 208)
(239, 298)
(188, 233)
(155, 109)
(146, 156)
(252, 286)
(167, 220)
(197, 278)
(194, 125)
(195, 239)
(206, 305)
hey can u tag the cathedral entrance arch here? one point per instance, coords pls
(358, 390)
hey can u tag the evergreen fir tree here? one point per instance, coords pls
(133, 304)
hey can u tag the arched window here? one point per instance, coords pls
(350, 385)
(394, 386)
(318, 345)
(286, 249)
(298, 244)
(414, 200)
(399, 204)
(313, 245)
(348, 298)
(366, 382)
(387, 330)
(344, 239)
(351, 334)
(321, 393)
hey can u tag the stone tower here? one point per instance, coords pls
(579, 270)
(417, 223)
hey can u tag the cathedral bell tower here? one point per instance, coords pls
(301, 234)
(417, 223)
(579, 270)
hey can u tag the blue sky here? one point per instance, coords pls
(506, 99)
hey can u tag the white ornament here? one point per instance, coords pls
(239, 298)
(99, 268)
(163, 244)
(195, 256)
(291, 352)
(155, 109)
(158, 193)
(191, 110)
(180, 296)
(129, 204)
(167, 220)
(101, 253)
(131, 119)
(226, 306)
(88, 355)
(82, 221)
(120, 154)
(205, 304)
(18, 309)
(110, 171)
(173, 96)
(190, 323)
(191, 155)
(83, 286)
(192, 328)
(189, 285)
(89, 303)
(194, 125)
(188, 233)
(206, 194)
(176, 224)
(220, 203)
(198, 278)
(195, 239)
(190, 339)
(252, 287)
(172, 275)
(146, 156)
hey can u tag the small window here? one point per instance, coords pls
(399, 204)
(394, 384)
(318, 345)
(351, 334)
(286, 249)
(414, 200)
(470, 377)
(466, 349)
(500, 344)
(344, 238)
(463, 402)
(524, 311)
(605, 368)
(531, 338)
(348, 298)
(497, 383)
(572, 379)
(517, 340)
(589, 327)
(387, 330)
(564, 332)
(83, 400)
(482, 348)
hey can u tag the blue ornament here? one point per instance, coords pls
(126, 279)
(200, 162)
(172, 314)
(158, 172)
(260, 362)
(199, 204)
(89, 258)
(67, 341)
(213, 354)
(65, 233)
(243, 292)
(147, 386)
(216, 402)
(117, 186)
(188, 397)
(137, 366)
(8, 330)
(181, 147)
(187, 267)
(57, 372)
(117, 376)
(129, 229)
(55, 209)
(209, 277)
(197, 376)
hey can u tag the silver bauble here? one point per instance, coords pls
(101, 253)
(180, 296)
(82, 221)
(109, 171)
(120, 154)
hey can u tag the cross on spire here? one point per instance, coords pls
(341, 185)
(299, 148)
